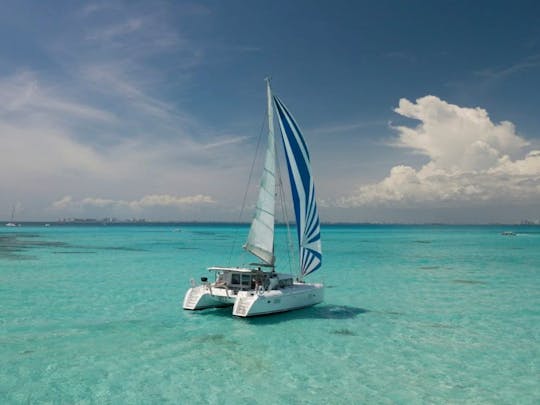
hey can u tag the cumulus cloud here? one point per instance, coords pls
(471, 159)
(165, 200)
(63, 202)
(153, 200)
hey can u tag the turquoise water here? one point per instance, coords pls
(412, 314)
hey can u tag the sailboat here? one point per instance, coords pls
(258, 289)
(12, 222)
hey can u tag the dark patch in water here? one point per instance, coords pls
(337, 311)
(394, 313)
(344, 332)
(422, 241)
(27, 352)
(13, 246)
(73, 253)
(213, 338)
(429, 267)
(123, 248)
(49, 244)
(118, 324)
(17, 257)
(92, 248)
(22, 235)
(17, 241)
(187, 248)
(12, 250)
(214, 235)
(468, 282)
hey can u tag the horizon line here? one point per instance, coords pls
(90, 222)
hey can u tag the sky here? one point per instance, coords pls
(414, 112)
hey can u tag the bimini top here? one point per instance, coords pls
(235, 269)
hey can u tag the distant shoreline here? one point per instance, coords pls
(224, 223)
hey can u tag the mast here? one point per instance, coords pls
(260, 240)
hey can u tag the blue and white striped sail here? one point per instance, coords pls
(260, 240)
(303, 191)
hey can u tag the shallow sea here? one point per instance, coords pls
(412, 314)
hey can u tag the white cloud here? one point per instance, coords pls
(471, 159)
(165, 200)
(344, 128)
(24, 96)
(53, 145)
(226, 141)
(530, 62)
(111, 80)
(153, 200)
(63, 202)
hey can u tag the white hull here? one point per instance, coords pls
(11, 224)
(297, 296)
(254, 303)
(204, 296)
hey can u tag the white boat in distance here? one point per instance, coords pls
(12, 222)
(258, 289)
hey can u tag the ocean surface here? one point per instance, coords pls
(412, 314)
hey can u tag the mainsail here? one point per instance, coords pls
(260, 240)
(303, 192)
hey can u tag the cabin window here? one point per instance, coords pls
(246, 280)
(235, 278)
(286, 282)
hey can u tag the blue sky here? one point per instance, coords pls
(414, 111)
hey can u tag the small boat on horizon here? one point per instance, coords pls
(508, 233)
(258, 289)
(12, 222)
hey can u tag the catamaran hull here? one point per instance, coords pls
(202, 297)
(255, 303)
(270, 302)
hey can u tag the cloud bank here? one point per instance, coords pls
(154, 200)
(471, 160)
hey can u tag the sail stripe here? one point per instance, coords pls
(299, 153)
(303, 191)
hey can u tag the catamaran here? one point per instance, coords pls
(258, 289)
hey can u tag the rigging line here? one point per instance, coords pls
(284, 210)
(235, 234)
